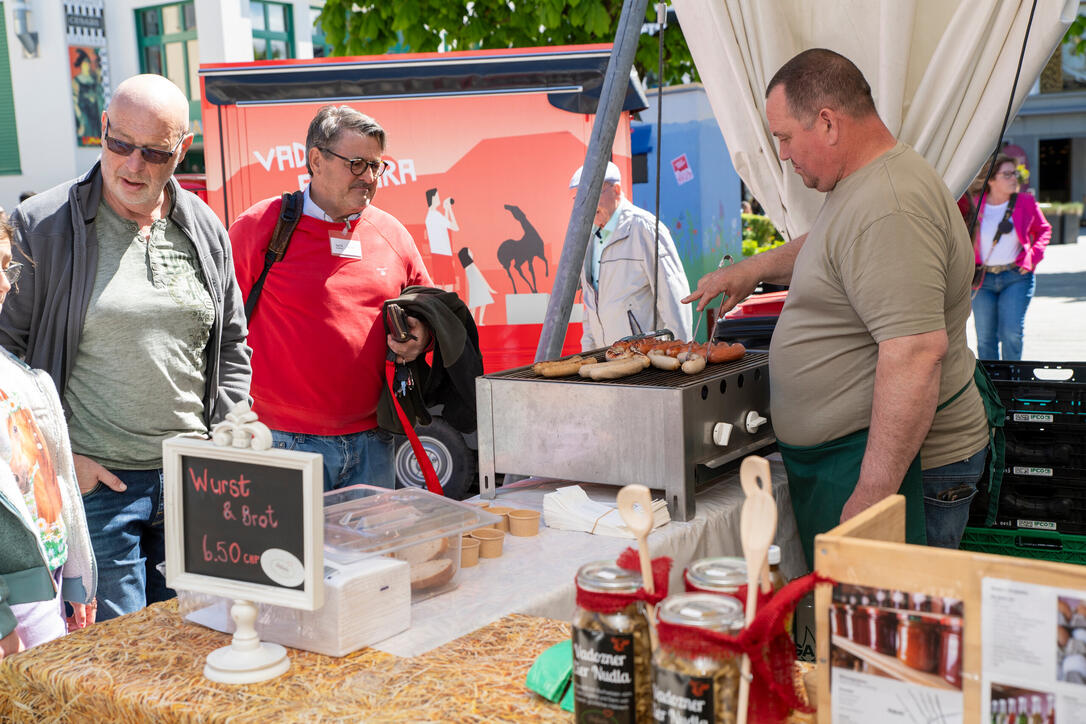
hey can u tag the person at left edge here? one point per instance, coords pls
(319, 343)
(128, 301)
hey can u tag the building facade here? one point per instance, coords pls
(61, 59)
(1051, 127)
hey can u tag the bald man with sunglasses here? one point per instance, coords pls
(128, 299)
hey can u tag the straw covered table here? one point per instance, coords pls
(148, 666)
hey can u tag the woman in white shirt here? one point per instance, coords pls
(1011, 235)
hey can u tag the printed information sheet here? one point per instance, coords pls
(1033, 649)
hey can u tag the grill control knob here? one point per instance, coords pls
(754, 421)
(722, 432)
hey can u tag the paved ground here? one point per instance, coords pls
(1056, 318)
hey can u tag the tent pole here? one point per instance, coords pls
(612, 95)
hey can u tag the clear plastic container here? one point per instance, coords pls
(410, 524)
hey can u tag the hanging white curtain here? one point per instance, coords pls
(940, 71)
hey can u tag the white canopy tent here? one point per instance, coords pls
(940, 71)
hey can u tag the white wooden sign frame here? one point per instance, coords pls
(311, 596)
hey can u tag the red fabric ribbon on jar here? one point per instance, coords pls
(771, 650)
(615, 602)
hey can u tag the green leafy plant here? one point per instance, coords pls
(1076, 35)
(759, 234)
(352, 27)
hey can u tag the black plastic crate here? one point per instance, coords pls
(1038, 403)
(1041, 393)
(1000, 370)
(1036, 502)
(1053, 446)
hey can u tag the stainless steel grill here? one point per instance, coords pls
(666, 430)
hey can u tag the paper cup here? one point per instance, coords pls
(490, 542)
(503, 512)
(469, 552)
(523, 523)
(484, 504)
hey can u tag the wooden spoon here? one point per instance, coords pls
(757, 526)
(640, 524)
(759, 479)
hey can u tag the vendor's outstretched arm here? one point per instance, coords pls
(906, 393)
(739, 280)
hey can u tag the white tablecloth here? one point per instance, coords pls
(535, 575)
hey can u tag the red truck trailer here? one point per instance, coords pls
(482, 146)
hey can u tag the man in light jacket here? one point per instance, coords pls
(128, 300)
(618, 274)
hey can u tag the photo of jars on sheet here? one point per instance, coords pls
(1015, 705)
(1071, 640)
(911, 637)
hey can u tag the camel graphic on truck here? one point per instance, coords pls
(514, 253)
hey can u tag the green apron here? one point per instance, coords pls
(997, 441)
(821, 478)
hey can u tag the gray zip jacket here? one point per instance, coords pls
(56, 240)
(626, 271)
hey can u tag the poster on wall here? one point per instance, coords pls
(88, 67)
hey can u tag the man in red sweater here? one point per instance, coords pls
(318, 341)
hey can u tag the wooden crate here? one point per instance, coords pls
(868, 550)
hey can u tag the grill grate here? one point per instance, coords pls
(652, 377)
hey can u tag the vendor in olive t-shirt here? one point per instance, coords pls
(871, 379)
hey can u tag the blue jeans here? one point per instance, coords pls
(945, 518)
(129, 542)
(360, 458)
(999, 313)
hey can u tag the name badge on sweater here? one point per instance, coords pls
(345, 246)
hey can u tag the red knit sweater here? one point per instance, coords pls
(317, 337)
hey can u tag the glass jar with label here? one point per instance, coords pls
(722, 575)
(612, 654)
(842, 614)
(700, 684)
(950, 650)
(884, 631)
(860, 629)
(918, 642)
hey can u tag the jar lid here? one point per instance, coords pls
(703, 610)
(774, 555)
(607, 577)
(718, 574)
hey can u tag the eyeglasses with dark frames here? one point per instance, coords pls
(1007, 174)
(13, 272)
(150, 155)
(359, 165)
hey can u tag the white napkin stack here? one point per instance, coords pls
(570, 508)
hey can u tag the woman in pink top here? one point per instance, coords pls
(1011, 236)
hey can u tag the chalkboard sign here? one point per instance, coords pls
(244, 523)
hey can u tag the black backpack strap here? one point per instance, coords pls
(290, 213)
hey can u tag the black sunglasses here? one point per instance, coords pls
(150, 155)
(359, 165)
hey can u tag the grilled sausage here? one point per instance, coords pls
(568, 367)
(694, 365)
(618, 368)
(540, 367)
(662, 361)
(724, 352)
